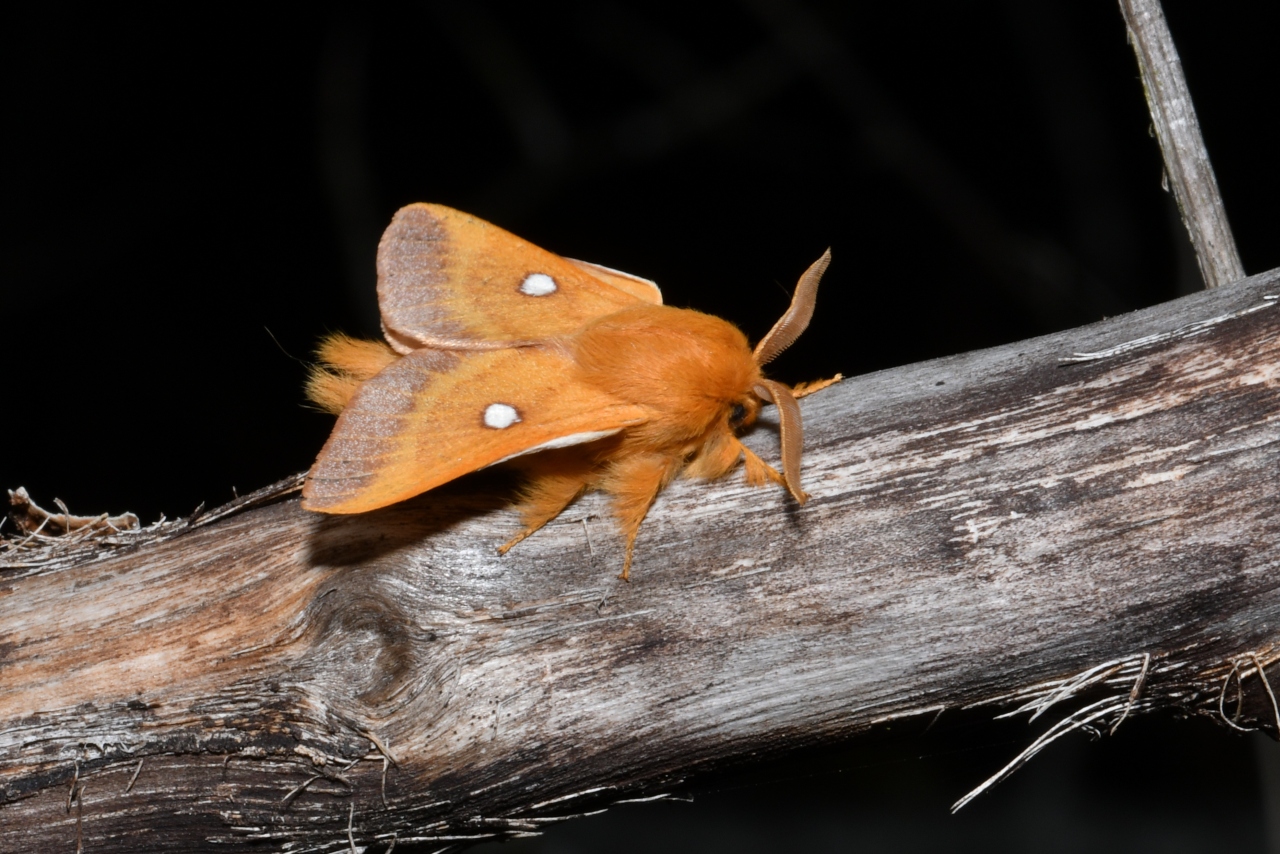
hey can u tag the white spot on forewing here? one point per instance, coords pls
(562, 442)
(538, 285)
(500, 416)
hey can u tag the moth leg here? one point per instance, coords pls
(715, 458)
(758, 471)
(545, 497)
(807, 388)
(634, 483)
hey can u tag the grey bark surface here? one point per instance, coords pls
(1186, 160)
(1086, 522)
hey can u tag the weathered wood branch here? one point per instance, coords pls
(1097, 533)
(1186, 160)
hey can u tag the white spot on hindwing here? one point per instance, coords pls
(574, 439)
(561, 442)
(500, 416)
(538, 285)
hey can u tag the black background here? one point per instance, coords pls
(191, 198)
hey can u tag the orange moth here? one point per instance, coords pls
(497, 350)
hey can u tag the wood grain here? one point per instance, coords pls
(1098, 505)
(1188, 172)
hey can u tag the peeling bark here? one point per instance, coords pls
(1085, 524)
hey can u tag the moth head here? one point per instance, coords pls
(780, 337)
(743, 413)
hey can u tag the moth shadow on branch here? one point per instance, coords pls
(356, 539)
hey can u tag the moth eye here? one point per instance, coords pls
(737, 415)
